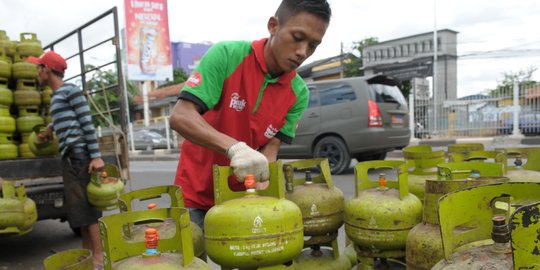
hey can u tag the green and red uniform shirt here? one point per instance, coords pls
(238, 97)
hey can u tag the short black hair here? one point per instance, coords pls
(288, 8)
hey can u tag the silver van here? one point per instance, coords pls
(359, 117)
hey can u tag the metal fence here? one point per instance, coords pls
(490, 113)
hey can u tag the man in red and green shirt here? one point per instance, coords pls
(243, 100)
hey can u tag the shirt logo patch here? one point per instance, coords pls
(237, 103)
(270, 132)
(194, 80)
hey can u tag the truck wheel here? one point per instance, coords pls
(335, 150)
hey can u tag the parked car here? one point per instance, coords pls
(360, 117)
(529, 124)
(148, 140)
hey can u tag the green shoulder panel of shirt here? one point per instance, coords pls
(220, 61)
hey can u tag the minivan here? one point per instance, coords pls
(358, 117)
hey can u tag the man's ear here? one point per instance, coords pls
(273, 25)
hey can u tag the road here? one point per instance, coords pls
(28, 252)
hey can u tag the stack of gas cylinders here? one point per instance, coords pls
(464, 208)
(23, 104)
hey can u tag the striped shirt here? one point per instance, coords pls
(72, 121)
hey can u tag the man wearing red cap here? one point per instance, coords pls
(72, 123)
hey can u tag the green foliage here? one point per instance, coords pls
(105, 99)
(179, 76)
(352, 65)
(506, 86)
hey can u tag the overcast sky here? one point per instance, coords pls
(502, 34)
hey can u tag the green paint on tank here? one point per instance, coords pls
(251, 229)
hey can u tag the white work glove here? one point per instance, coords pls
(245, 160)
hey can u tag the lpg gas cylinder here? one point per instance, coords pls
(71, 259)
(10, 47)
(468, 219)
(29, 45)
(254, 228)
(167, 227)
(21, 69)
(26, 124)
(27, 98)
(104, 188)
(424, 245)
(319, 200)
(464, 148)
(379, 217)
(157, 253)
(521, 171)
(11, 210)
(422, 162)
(6, 99)
(525, 226)
(323, 258)
(5, 66)
(39, 146)
(46, 94)
(30, 210)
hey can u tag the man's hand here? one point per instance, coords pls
(46, 135)
(96, 164)
(245, 160)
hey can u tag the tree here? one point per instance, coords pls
(179, 76)
(522, 77)
(102, 99)
(352, 65)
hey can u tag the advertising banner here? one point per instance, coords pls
(147, 37)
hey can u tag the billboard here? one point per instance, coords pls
(147, 36)
(187, 55)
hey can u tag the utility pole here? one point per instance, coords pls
(435, 50)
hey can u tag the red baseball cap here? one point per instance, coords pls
(51, 60)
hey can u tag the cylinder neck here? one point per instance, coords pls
(382, 182)
(151, 240)
(500, 235)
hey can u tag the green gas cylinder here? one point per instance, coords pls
(156, 253)
(10, 47)
(463, 148)
(71, 259)
(165, 228)
(46, 94)
(27, 98)
(424, 245)
(521, 171)
(21, 69)
(319, 200)
(474, 236)
(379, 217)
(12, 214)
(525, 226)
(30, 210)
(40, 147)
(5, 66)
(104, 188)
(323, 258)
(29, 45)
(422, 162)
(253, 228)
(6, 99)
